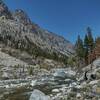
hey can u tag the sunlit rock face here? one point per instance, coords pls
(18, 27)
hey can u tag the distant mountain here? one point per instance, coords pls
(18, 31)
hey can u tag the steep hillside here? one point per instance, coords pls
(17, 31)
(22, 65)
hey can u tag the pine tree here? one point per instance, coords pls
(86, 41)
(86, 49)
(79, 47)
(90, 42)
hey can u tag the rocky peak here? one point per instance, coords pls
(4, 11)
(21, 17)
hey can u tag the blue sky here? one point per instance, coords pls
(64, 17)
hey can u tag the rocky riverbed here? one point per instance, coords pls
(58, 84)
(47, 83)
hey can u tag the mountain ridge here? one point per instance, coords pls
(18, 31)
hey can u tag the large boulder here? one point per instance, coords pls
(64, 74)
(38, 95)
(59, 74)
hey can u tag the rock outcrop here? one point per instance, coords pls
(4, 11)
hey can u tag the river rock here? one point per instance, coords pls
(78, 95)
(59, 74)
(38, 95)
(33, 82)
(55, 91)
